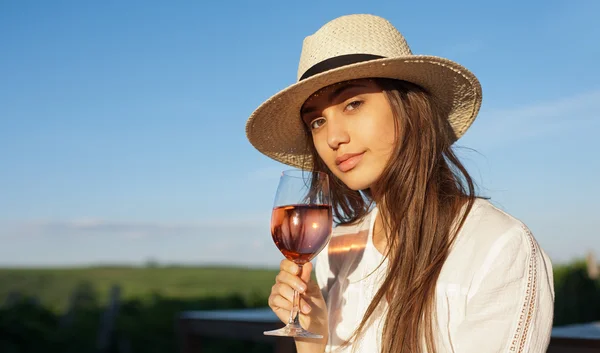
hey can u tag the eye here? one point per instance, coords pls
(353, 105)
(317, 123)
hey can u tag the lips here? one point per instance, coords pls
(348, 161)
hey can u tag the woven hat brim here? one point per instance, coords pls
(275, 127)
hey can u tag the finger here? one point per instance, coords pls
(289, 266)
(291, 280)
(305, 308)
(283, 290)
(280, 302)
(277, 302)
(306, 270)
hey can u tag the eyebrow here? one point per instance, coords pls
(332, 96)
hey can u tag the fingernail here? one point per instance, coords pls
(306, 308)
(301, 287)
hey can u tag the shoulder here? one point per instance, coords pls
(492, 240)
(487, 227)
(486, 217)
(507, 282)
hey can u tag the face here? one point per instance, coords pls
(352, 127)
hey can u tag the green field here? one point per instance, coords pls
(53, 287)
(152, 298)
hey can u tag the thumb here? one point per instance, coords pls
(306, 270)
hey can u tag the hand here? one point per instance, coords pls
(313, 311)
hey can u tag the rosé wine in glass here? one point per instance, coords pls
(301, 224)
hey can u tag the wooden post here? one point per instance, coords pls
(12, 298)
(124, 346)
(107, 322)
(68, 316)
(592, 267)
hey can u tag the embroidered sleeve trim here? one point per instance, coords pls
(526, 315)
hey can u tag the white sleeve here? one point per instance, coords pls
(511, 305)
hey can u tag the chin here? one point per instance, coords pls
(356, 181)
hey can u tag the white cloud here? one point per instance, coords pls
(131, 230)
(541, 119)
(243, 241)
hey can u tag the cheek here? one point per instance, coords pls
(326, 154)
(381, 134)
(388, 138)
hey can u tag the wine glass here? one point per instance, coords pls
(301, 224)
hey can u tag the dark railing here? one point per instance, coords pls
(249, 324)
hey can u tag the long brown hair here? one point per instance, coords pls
(423, 195)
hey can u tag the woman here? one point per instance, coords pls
(417, 262)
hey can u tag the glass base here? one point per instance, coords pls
(292, 330)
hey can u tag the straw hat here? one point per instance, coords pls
(354, 47)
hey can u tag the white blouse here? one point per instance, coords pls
(495, 292)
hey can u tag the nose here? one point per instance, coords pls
(337, 131)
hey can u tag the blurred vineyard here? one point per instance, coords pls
(38, 311)
(62, 310)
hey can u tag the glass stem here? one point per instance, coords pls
(295, 312)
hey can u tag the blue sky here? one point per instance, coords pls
(122, 124)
